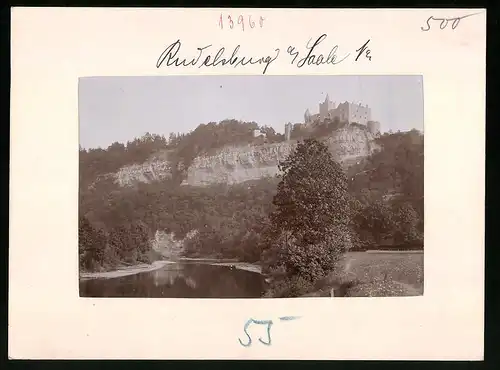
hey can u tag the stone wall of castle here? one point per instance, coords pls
(359, 113)
(374, 127)
(348, 112)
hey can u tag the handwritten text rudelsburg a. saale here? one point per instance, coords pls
(205, 56)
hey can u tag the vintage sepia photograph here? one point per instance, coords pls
(251, 186)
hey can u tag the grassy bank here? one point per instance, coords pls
(372, 274)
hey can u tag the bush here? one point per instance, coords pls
(295, 286)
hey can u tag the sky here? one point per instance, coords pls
(121, 108)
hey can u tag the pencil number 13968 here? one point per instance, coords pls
(241, 21)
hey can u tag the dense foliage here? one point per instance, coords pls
(97, 162)
(389, 188)
(385, 203)
(123, 244)
(309, 226)
(182, 148)
(228, 218)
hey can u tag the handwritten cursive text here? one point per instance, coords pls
(203, 59)
(210, 56)
(312, 57)
(364, 49)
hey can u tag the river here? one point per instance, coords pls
(179, 280)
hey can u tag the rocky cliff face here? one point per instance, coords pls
(238, 164)
(351, 143)
(168, 246)
(233, 165)
(156, 169)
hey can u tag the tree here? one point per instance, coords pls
(407, 221)
(375, 223)
(91, 245)
(127, 249)
(140, 238)
(309, 227)
(394, 174)
(84, 231)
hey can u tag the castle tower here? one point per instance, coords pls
(325, 108)
(288, 131)
(374, 127)
(307, 116)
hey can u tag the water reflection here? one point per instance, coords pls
(169, 274)
(179, 281)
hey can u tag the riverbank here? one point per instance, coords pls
(241, 266)
(251, 267)
(137, 269)
(124, 271)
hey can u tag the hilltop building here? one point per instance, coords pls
(257, 133)
(346, 112)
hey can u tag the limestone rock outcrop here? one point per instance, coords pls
(146, 172)
(236, 164)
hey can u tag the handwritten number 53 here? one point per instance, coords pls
(267, 324)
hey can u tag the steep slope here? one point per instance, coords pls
(236, 164)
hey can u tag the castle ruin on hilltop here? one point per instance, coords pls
(344, 112)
